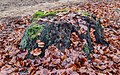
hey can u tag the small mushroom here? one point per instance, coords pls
(39, 34)
(36, 52)
(40, 44)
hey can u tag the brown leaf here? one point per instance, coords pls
(56, 61)
(1, 63)
(63, 57)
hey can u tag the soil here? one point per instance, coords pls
(28, 7)
(8, 4)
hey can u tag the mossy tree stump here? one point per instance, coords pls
(58, 34)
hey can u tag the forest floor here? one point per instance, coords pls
(15, 16)
(28, 7)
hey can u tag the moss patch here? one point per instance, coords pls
(42, 14)
(34, 30)
(30, 36)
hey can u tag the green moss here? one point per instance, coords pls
(52, 13)
(86, 49)
(77, 11)
(84, 13)
(30, 36)
(34, 30)
(39, 14)
(62, 10)
(42, 14)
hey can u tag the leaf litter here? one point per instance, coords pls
(105, 60)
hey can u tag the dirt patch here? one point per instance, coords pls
(28, 7)
(10, 4)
